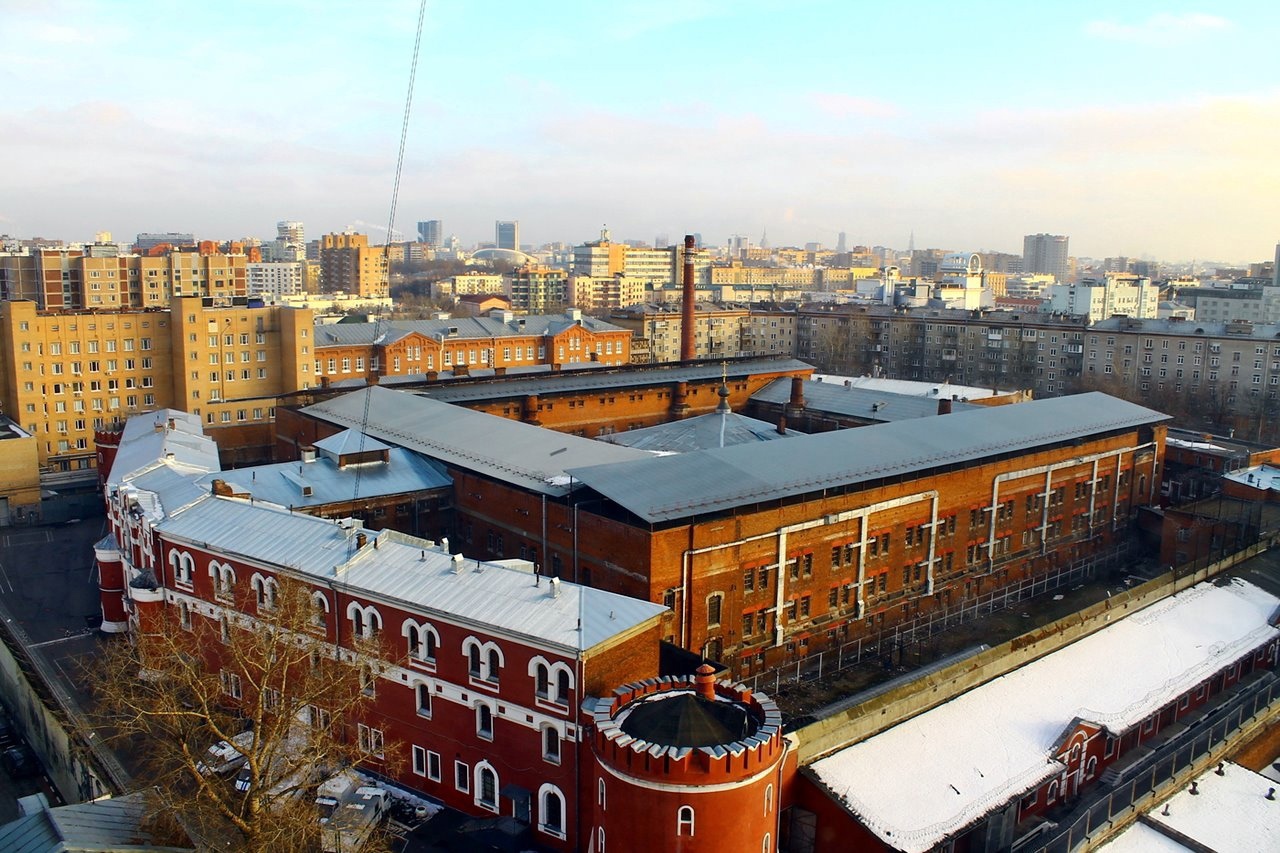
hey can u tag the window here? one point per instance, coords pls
(684, 821)
(714, 603)
(419, 761)
(768, 799)
(461, 777)
(433, 766)
(184, 615)
(423, 694)
(370, 740)
(484, 721)
(600, 794)
(551, 811)
(551, 744)
(231, 684)
(423, 642)
(486, 786)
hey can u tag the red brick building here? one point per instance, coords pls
(770, 552)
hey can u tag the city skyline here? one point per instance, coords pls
(1143, 132)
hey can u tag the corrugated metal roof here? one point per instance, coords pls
(872, 405)
(611, 379)
(528, 456)
(284, 483)
(388, 331)
(113, 824)
(413, 571)
(147, 441)
(350, 441)
(718, 429)
(666, 488)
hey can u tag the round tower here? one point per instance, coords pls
(111, 591)
(686, 764)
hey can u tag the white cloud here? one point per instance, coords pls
(1161, 28)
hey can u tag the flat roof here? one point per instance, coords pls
(668, 488)
(926, 779)
(1227, 814)
(457, 328)
(857, 402)
(507, 450)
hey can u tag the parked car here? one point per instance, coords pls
(224, 758)
(20, 762)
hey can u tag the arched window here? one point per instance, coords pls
(551, 744)
(600, 840)
(264, 591)
(421, 641)
(319, 610)
(423, 694)
(184, 615)
(542, 681)
(365, 621)
(768, 798)
(767, 846)
(486, 786)
(1091, 767)
(601, 800)
(484, 721)
(224, 580)
(183, 566)
(224, 625)
(473, 660)
(484, 661)
(563, 686)
(1053, 792)
(551, 810)
(684, 821)
(495, 665)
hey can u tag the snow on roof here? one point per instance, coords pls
(1229, 813)
(926, 779)
(1259, 477)
(911, 388)
(1194, 445)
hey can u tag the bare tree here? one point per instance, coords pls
(269, 685)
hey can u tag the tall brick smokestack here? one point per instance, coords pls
(687, 349)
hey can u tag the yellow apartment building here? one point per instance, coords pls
(348, 263)
(64, 373)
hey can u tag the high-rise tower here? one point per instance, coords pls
(507, 234)
(431, 232)
(1045, 253)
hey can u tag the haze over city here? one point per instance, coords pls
(1144, 129)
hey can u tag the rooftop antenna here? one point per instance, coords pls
(391, 221)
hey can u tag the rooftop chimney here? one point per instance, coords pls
(360, 540)
(944, 406)
(687, 349)
(704, 681)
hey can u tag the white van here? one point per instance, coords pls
(224, 758)
(349, 812)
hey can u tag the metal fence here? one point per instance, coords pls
(904, 642)
(1154, 776)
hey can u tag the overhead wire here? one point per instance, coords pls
(391, 221)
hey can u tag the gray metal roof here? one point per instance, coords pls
(880, 406)
(610, 379)
(389, 331)
(718, 429)
(149, 439)
(115, 824)
(411, 571)
(349, 441)
(672, 487)
(528, 456)
(285, 483)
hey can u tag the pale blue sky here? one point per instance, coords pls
(1136, 128)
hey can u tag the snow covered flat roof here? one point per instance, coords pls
(1259, 477)
(910, 388)
(926, 779)
(1229, 813)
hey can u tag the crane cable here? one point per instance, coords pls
(391, 221)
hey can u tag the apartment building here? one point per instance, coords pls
(990, 349)
(348, 263)
(1229, 373)
(89, 278)
(1117, 294)
(65, 373)
(538, 289)
(598, 293)
(717, 329)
